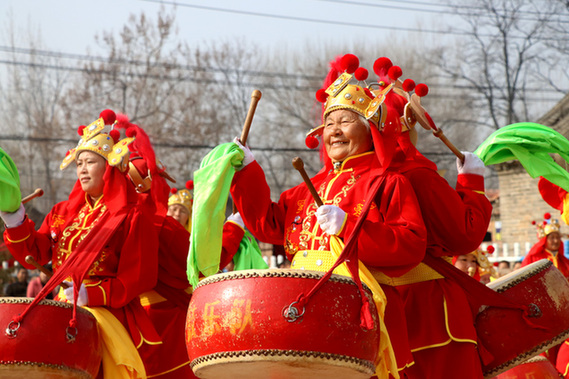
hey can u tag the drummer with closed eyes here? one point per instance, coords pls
(358, 135)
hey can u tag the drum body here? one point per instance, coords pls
(236, 327)
(536, 368)
(40, 347)
(509, 337)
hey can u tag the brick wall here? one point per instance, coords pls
(520, 201)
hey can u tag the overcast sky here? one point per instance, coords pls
(70, 25)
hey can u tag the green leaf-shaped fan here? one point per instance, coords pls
(10, 196)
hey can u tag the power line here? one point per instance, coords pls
(438, 11)
(198, 68)
(343, 23)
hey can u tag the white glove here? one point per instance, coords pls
(236, 218)
(11, 220)
(83, 298)
(472, 164)
(248, 158)
(331, 218)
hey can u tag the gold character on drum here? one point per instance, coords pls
(102, 244)
(358, 134)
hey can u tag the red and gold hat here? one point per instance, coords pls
(357, 97)
(484, 264)
(183, 197)
(547, 226)
(108, 146)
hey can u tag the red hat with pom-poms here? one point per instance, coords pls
(183, 197)
(338, 92)
(106, 145)
(547, 226)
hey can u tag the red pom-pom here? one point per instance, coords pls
(495, 264)
(421, 90)
(80, 129)
(382, 65)
(349, 63)
(321, 95)
(131, 132)
(108, 116)
(533, 222)
(361, 73)
(115, 135)
(545, 223)
(395, 72)
(490, 249)
(369, 93)
(408, 85)
(311, 142)
(190, 185)
(547, 216)
(173, 190)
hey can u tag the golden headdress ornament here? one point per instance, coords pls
(183, 197)
(106, 145)
(484, 264)
(342, 93)
(546, 227)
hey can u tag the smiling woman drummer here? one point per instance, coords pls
(100, 241)
(358, 133)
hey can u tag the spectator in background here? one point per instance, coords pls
(517, 265)
(20, 287)
(504, 268)
(37, 283)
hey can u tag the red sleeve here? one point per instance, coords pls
(456, 220)
(232, 236)
(137, 245)
(24, 240)
(396, 240)
(252, 195)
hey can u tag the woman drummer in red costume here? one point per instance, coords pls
(356, 152)
(100, 239)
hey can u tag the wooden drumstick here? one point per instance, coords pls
(427, 123)
(31, 261)
(255, 97)
(440, 135)
(299, 165)
(37, 193)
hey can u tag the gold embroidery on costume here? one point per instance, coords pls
(57, 221)
(77, 231)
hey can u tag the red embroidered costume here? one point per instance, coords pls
(392, 239)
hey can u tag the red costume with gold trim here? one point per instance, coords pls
(124, 268)
(441, 324)
(392, 240)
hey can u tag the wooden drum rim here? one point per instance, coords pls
(274, 355)
(10, 365)
(514, 278)
(277, 273)
(51, 303)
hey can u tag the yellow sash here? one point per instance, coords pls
(385, 362)
(120, 357)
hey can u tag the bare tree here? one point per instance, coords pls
(31, 92)
(502, 41)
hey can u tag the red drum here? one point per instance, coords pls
(236, 327)
(505, 333)
(535, 368)
(43, 345)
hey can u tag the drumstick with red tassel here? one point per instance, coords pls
(255, 97)
(299, 166)
(31, 261)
